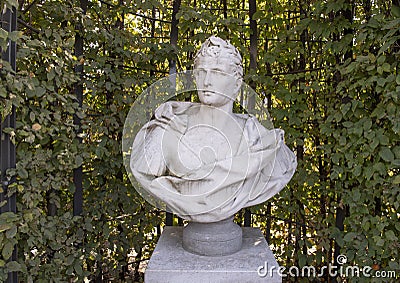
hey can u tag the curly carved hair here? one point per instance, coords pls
(216, 47)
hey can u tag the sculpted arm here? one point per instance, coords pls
(147, 161)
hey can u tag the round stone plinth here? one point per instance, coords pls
(212, 239)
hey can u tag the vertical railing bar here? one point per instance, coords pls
(251, 102)
(172, 68)
(342, 213)
(174, 35)
(302, 65)
(269, 106)
(7, 147)
(268, 224)
(169, 219)
(78, 52)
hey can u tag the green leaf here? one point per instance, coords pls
(302, 260)
(3, 34)
(386, 154)
(15, 35)
(396, 11)
(342, 140)
(381, 59)
(8, 216)
(340, 241)
(7, 250)
(356, 196)
(367, 124)
(78, 268)
(383, 139)
(23, 173)
(386, 67)
(78, 160)
(366, 225)
(13, 266)
(39, 91)
(379, 112)
(391, 236)
(380, 242)
(11, 232)
(5, 226)
(258, 15)
(357, 170)
(80, 114)
(386, 45)
(371, 57)
(345, 108)
(349, 237)
(12, 3)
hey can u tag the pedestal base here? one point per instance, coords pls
(170, 263)
(212, 239)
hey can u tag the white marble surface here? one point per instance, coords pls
(170, 263)
(201, 159)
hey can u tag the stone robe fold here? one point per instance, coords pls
(171, 164)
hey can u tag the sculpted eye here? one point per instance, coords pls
(199, 72)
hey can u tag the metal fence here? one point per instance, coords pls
(7, 147)
(8, 155)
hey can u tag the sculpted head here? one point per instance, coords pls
(218, 72)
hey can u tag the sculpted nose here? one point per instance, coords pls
(207, 78)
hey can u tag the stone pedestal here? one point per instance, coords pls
(212, 239)
(171, 263)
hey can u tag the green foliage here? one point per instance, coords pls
(116, 221)
(370, 121)
(332, 83)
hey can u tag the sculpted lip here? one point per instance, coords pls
(208, 93)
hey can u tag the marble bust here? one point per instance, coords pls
(204, 161)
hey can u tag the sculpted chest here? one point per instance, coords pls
(200, 144)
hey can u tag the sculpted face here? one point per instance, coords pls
(216, 84)
(218, 72)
